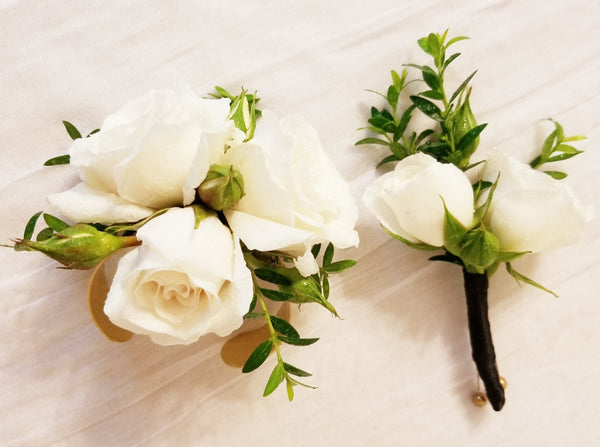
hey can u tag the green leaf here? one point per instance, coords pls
(46, 233)
(388, 159)
(567, 149)
(315, 250)
(258, 356)
(295, 371)
(289, 386)
(557, 175)
(427, 107)
(423, 135)
(284, 327)
(93, 132)
(274, 380)
(431, 78)
(30, 227)
(272, 276)
(392, 96)
(60, 160)
(276, 295)
(372, 141)
(398, 150)
(72, 130)
(574, 138)
(455, 39)
(297, 341)
(424, 44)
(55, 223)
(481, 185)
(328, 256)
(520, 277)
(340, 266)
(548, 145)
(470, 137)
(561, 157)
(450, 59)
(404, 120)
(325, 286)
(432, 94)
(462, 86)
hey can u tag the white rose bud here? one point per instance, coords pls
(408, 200)
(181, 283)
(531, 211)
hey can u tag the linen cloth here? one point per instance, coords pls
(397, 368)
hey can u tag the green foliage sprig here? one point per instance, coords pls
(275, 280)
(454, 135)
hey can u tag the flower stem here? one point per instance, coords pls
(482, 346)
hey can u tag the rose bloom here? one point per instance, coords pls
(408, 200)
(294, 196)
(150, 154)
(181, 283)
(531, 211)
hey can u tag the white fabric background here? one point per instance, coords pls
(396, 370)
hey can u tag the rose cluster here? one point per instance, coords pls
(273, 190)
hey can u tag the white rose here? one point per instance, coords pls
(181, 283)
(531, 211)
(294, 196)
(408, 200)
(150, 154)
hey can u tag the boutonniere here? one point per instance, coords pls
(478, 216)
(226, 210)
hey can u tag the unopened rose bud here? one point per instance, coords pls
(81, 246)
(480, 248)
(222, 188)
(463, 122)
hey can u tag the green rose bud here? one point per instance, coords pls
(464, 121)
(222, 188)
(81, 246)
(480, 249)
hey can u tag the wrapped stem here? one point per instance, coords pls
(482, 346)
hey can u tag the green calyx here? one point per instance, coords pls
(222, 188)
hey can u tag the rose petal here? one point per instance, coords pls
(84, 204)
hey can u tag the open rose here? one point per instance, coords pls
(408, 200)
(294, 196)
(181, 283)
(150, 154)
(530, 211)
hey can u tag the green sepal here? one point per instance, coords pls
(295, 371)
(417, 245)
(454, 232)
(520, 277)
(60, 160)
(72, 130)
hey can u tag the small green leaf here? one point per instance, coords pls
(295, 371)
(392, 96)
(470, 137)
(372, 141)
(455, 39)
(93, 132)
(274, 380)
(276, 295)
(431, 78)
(557, 175)
(325, 286)
(450, 59)
(60, 160)
(462, 86)
(315, 250)
(398, 150)
(328, 256)
(284, 327)
(520, 277)
(561, 157)
(258, 356)
(387, 159)
(548, 145)
(289, 386)
(481, 185)
(432, 94)
(404, 120)
(424, 44)
(427, 107)
(340, 266)
(55, 223)
(272, 276)
(567, 149)
(72, 130)
(45, 234)
(30, 227)
(297, 341)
